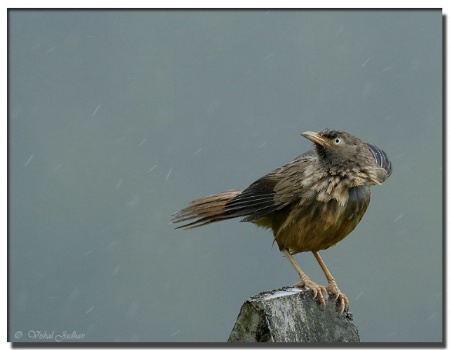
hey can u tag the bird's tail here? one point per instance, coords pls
(206, 210)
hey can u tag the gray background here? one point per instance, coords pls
(117, 119)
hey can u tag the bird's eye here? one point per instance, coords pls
(337, 141)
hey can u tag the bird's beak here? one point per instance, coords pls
(315, 137)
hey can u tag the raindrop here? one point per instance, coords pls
(432, 316)
(175, 333)
(359, 295)
(168, 174)
(398, 218)
(96, 110)
(29, 160)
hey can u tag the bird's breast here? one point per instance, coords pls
(314, 224)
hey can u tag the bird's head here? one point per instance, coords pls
(339, 149)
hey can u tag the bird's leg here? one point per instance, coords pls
(305, 280)
(332, 286)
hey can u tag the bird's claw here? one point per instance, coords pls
(317, 289)
(322, 293)
(344, 304)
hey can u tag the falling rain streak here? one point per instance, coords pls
(398, 218)
(96, 110)
(29, 160)
(359, 295)
(168, 174)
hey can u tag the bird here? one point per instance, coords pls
(310, 204)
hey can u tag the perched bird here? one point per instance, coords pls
(310, 204)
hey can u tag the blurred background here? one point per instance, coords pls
(117, 119)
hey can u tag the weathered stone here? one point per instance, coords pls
(292, 315)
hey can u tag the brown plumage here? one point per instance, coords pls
(310, 204)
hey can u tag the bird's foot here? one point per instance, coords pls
(333, 288)
(318, 290)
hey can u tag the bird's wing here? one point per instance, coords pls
(272, 192)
